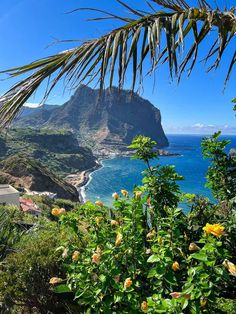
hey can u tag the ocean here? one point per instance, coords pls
(125, 173)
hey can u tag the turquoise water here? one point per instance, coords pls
(125, 173)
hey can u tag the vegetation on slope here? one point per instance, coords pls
(58, 150)
(142, 256)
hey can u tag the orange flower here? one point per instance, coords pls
(193, 247)
(175, 266)
(149, 201)
(138, 195)
(75, 256)
(230, 266)
(55, 280)
(119, 239)
(151, 234)
(144, 306)
(124, 193)
(115, 196)
(99, 203)
(114, 223)
(216, 229)
(128, 283)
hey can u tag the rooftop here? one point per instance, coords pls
(6, 189)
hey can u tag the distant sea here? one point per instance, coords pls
(125, 173)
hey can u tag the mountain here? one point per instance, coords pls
(107, 121)
(58, 150)
(26, 111)
(32, 175)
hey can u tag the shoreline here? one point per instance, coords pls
(81, 179)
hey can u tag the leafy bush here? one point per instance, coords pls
(146, 255)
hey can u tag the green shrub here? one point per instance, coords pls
(146, 255)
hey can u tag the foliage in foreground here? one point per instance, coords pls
(144, 255)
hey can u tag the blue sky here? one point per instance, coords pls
(196, 105)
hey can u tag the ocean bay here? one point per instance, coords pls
(125, 173)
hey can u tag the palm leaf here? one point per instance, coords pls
(131, 44)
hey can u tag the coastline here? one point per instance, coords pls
(81, 179)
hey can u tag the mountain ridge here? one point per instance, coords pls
(106, 121)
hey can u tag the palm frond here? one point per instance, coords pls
(139, 39)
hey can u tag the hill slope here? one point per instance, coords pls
(58, 150)
(32, 175)
(106, 122)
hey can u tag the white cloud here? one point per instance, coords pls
(32, 105)
(200, 128)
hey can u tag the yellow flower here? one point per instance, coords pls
(55, 280)
(119, 239)
(124, 193)
(65, 253)
(175, 266)
(216, 229)
(99, 203)
(193, 247)
(138, 195)
(98, 220)
(114, 223)
(75, 256)
(115, 196)
(128, 283)
(151, 234)
(230, 266)
(144, 306)
(58, 211)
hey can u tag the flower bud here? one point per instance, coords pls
(128, 283)
(138, 195)
(115, 196)
(75, 256)
(193, 247)
(175, 266)
(99, 203)
(144, 306)
(124, 193)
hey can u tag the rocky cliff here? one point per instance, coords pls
(32, 175)
(106, 122)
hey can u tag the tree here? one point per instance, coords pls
(132, 43)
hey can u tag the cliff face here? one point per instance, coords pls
(30, 174)
(104, 121)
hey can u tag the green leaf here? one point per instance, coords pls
(200, 257)
(62, 289)
(153, 258)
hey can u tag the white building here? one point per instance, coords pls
(9, 195)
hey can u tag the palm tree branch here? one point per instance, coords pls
(115, 50)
